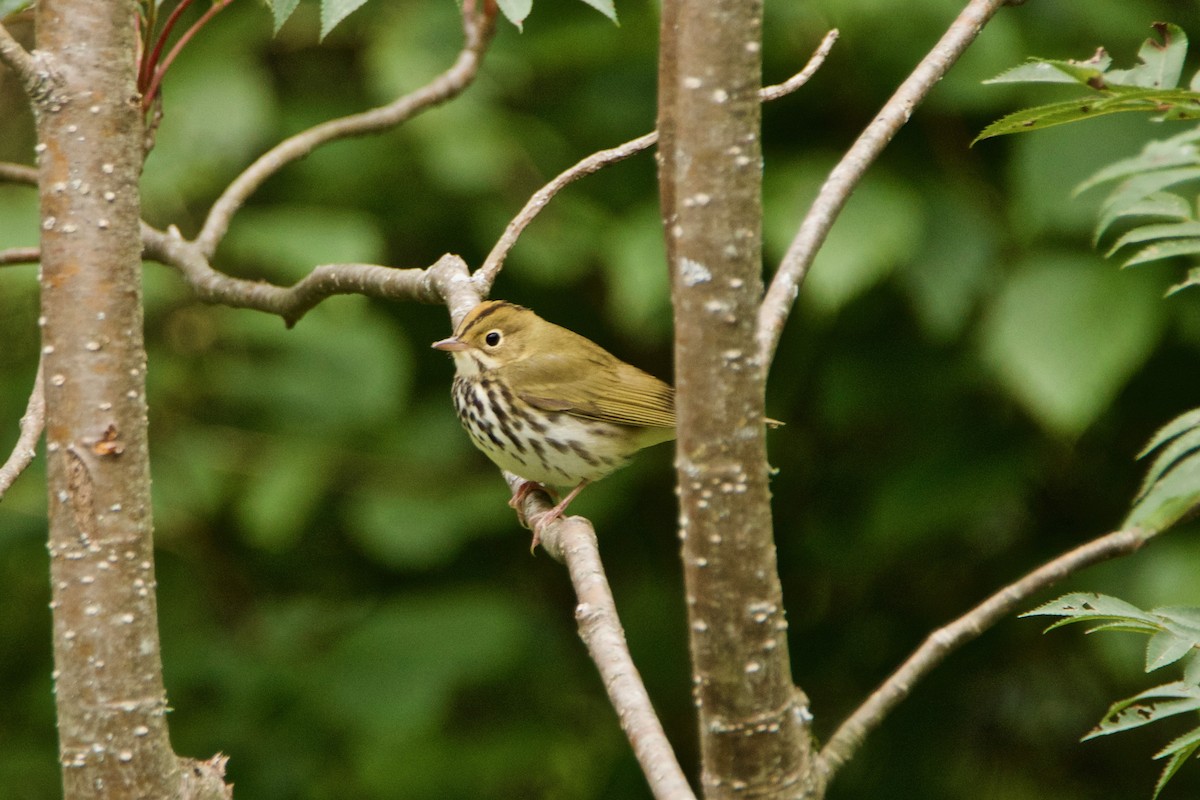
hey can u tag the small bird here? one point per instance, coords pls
(548, 405)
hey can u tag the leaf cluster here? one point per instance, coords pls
(1174, 636)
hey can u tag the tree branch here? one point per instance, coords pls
(572, 541)
(485, 276)
(846, 741)
(447, 280)
(18, 173)
(20, 255)
(32, 423)
(849, 171)
(477, 27)
(23, 63)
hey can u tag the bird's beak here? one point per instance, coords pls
(450, 345)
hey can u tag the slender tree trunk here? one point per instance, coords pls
(753, 722)
(113, 738)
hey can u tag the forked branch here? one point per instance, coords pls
(478, 27)
(485, 276)
(21, 62)
(846, 741)
(837, 188)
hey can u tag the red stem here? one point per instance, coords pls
(149, 63)
(161, 69)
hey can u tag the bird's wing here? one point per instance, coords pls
(597, 388)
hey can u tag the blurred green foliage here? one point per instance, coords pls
(349, 609)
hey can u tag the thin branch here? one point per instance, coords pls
(572, 541)
(20, 61)
(485, 276)
(939, 644)
(446, 281)
(849, 171)
(151, 60)
(477, 27)
(18, 173)
(32, 423)
(20, 255)
(161, 70)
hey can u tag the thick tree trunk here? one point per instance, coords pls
(108, 676)
(753, 722)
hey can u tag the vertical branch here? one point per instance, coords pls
(109, 691)
(753, 722)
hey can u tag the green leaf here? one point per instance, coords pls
(1177, 151)
(605, 7)
(1180, 755)
(1181, 444)
(1146, 707)
(1159, 230)
(1181, 742)
(1159, 204)
(1167, 647)
(1157, 252)
(1045, 70)
(1162, 62)
(1144, 184)
(1191, 669)
(282, 10)
(1172, 498)
(1192, 279)
(1079, 606)
(1092, 106)
(1050, 340)
(334, 11)
(1176, 427)
(13, 6)
(516, 11)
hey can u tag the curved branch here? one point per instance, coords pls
(20, 255)
(849, 171)
(18, 173)
(32, 423)
(21, 62)
(485, 276)
(939, 644)
(478, 28)
(572, 542)
(446, 281)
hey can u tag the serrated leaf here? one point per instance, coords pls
(1162, 62)
(1119, 100)
(1192, 279)
(1045, 70)
(1191, 669)
(1176, 427)
(516, 11)
(1172, 767)
(1112, 627)
(1172, 498)
(1145, 707)
(334, 11)
(605, 7)
(1165, 648)
(281, 11)
(1158, 230)
(1181, 742)
(1179, 447)
(1159, 204)
(1092, 605)
(1157, 252)
(1177, 151)
(1144, 184)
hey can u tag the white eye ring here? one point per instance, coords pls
(492, 339)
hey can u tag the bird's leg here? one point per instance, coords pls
(540, 520)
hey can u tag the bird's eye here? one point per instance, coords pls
(492, 339)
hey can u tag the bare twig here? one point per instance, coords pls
(32, 423)
(849, 171)
(572, 541)
(485, 276)
(20, 61)
(939, 644)
(445, 281)
(20, 255)
(478, 28)
(18, 173)
(156, 80)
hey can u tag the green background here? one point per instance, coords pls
(348, 608)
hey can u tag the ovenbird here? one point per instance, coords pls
(548, 405)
